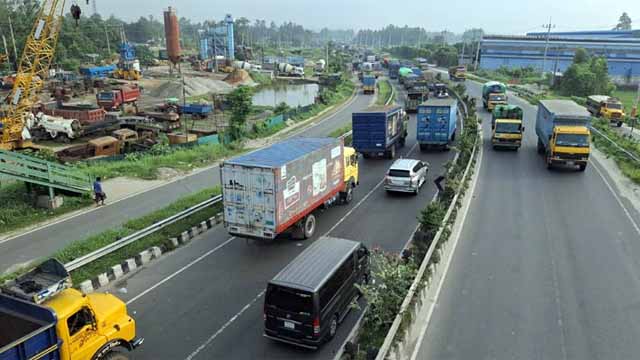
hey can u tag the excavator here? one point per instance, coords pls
(128, 66)
(33, 69)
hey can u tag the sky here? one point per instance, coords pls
(494, 16)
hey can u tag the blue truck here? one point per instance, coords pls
(394, 67)
(97, 72)
(368, 84)
(437, 123)
(196, 110)
(379, 130)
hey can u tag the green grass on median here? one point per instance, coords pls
(384, 91)
(82, 247)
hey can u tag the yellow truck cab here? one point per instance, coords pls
(42, 314)
(458, 73)
(351, 178)
(506, 127)
(606, 107)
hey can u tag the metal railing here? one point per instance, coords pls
(97, 254)
(614, 143)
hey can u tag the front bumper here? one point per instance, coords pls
(557, 160)
(137, 342)
(506, 143)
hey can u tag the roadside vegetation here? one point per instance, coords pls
(384, 92)
(627, 165)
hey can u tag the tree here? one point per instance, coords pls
(624, 22)
(240, 103)
(586, 76)
(581, 56)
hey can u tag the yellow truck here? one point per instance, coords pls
(42, 317)
(606, 107)
(458, 73)
(563, 133)
(506, 127)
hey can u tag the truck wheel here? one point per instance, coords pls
(549, 163)
(582, 167)
(540, 147)
(619, 124)
(423, 147)
(115, 355)
(309, 226)
(348, 195)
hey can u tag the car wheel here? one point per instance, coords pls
(333, 327)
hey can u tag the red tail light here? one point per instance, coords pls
(316, 326)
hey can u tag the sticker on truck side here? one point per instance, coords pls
(292, 193)
(335, 152)
(319, 171)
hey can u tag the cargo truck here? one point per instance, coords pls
(563, 133)
(606, 107)
(437, 123)
(116, 99)
(394, 68)
(379, 130)
(416, 95)
(279, 189)
(506, 127)
(493, 93)
(42, 317)
(368, 84)
(458, 73)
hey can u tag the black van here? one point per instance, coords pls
(307, 300)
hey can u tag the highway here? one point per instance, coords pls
(47, 240)
(547, 266)
(205, 300)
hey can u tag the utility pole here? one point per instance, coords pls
(549, 26)
(326, 66)
(106, 33)
(13, 39)
(475, 67)
(464, 43)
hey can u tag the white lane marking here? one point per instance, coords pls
(197, 260)
(226, 325)
(455, 239)
(364, 198)
(615, 196)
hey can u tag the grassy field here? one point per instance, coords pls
(628, 98)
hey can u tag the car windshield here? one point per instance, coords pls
(614, 106)
(290, 300)
(509, 128)
(399, 173)
(573, 140)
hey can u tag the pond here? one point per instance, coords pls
(293, 95)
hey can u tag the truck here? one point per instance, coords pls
(87, 114)
(416, 95)
(493, 93)
(368, 84)
(458, 73)
(437, 123)
(379, 130)
(394, 68)
(42, 317)
(606, 107)
(97, 72)
(196, 110)
(117, 98)
(289, 70)
(564, 136)
(320, 66)
(278, 189)
(506, 127)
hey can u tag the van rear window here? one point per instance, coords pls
(290, 300)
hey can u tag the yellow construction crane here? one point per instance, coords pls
(32, 71)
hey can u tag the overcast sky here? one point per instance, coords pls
(494, 16)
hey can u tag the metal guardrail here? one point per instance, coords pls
(624, 151)
(95, 255)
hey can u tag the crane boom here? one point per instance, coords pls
(34, 66)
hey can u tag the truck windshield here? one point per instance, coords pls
(508, 128)
(105, 96)
(290, 300)
(497, 97)
(573, 140)
(614, 106)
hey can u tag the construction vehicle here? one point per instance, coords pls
(128, 65)
(506, 126)
(493, 93)
(42, 317)
(563, 133)
(33, 69)
(97, 72)
(116, 99)
(458, 73)
(607, 107)
(281, 188)
(289, 70)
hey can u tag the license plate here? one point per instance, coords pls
(289, 325)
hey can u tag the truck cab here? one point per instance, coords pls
(495, 99)
(506, 127)
(607, 107)
(457, 73)
(43, 315)
(351, 173)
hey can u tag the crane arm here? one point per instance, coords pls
(33, 69)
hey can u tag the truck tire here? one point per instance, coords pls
(115, 355)
(392, 152)
(619, 124)
(582, 167)
(347, 196)
(548, 161)
(309, 226)
(540, 147)
(423, 147)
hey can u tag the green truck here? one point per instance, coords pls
(493, 93)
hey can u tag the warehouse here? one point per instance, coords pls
(621, 49)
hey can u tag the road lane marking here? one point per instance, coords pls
(197, 260)
(226, 325)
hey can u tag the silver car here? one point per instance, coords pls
(406, 175)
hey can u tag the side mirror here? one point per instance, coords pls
(523, 129)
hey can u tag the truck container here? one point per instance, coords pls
(563, 133)
(41, 317)
(117, 98)
(606, 107)
(394, 68)
(379, 130)
(416, 95)
(96, 72)
(279, 188)
(493, 93)
(86, 114)
(368, 84)
(437, 123)
(196, 110)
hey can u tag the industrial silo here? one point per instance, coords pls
(172, 33)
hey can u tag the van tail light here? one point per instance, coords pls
(316, 326)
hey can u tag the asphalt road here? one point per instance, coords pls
(45, 241)
(547, 266)
(205, 300)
